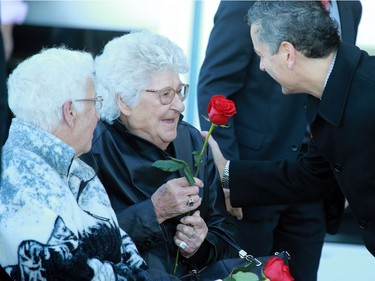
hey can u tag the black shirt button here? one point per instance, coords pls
(294, 147)
(337, 167)
(363, 224)
(155, 238)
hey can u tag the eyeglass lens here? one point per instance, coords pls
(167, 95)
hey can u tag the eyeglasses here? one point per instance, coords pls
(97, 100)
(167, 95)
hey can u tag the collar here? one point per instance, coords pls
(335, 94)
(54, 151)
(330, 69)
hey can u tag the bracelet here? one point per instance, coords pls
(225, 179)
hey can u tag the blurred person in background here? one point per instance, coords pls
(12, 12)
(4, 110)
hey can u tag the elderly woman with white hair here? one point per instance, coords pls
(138, 75)
(56, 219)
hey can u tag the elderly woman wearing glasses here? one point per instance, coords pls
(138, 77)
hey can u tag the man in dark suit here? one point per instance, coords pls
(267, 126)
(305, 54)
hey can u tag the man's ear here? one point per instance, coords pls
(69, 113)
(124, 109)
(290, 53)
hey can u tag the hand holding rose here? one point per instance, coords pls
(170, 200)
(193, 231)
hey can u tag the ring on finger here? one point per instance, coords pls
(192, 236)
(190, 201)
(182, 245)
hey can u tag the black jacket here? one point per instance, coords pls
(340, 152)
(124, 165)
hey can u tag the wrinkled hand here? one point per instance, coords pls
(193, 231)
(171, 199)
(219, 159)
(236, 212)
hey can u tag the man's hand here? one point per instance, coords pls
(236, 212)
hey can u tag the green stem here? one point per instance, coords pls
(176, 261)
(191, 181)
(203, 148)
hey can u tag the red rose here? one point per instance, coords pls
(220, 110)
(276, 270)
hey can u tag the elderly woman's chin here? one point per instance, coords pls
(170, 135)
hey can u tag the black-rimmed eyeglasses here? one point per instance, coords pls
(167, 94)
(97, 100)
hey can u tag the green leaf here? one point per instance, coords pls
(173, 165)
(205, 117)
(244, 276)
(179, 161)
(243, 273)
(224, 126)
(168, 165)
(246, 268)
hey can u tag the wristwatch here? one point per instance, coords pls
(225, 178)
